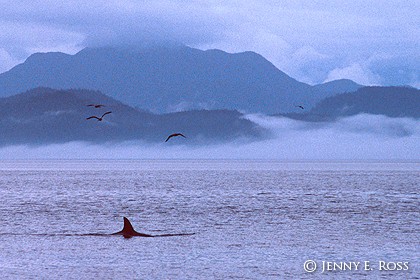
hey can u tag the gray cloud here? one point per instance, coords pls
(310, 40)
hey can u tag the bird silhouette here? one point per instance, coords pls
(96, 105)
(99, 118)
(300, 106)
(174, 135)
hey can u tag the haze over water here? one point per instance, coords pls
(252, 219)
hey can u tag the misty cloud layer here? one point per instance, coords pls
(361, 137)
(371, 42)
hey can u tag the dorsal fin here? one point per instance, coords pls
(127, 226)
(128, 230)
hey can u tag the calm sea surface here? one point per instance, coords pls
(251, 219)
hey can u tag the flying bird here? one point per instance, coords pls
(96, 105)
(174, 135)
(99, 119)
(300, 106)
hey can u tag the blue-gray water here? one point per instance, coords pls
(252, 219)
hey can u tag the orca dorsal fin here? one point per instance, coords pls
(127, 226)
(128, 230)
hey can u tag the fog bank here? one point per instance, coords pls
(361, 137)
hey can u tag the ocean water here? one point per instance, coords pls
(251, 219)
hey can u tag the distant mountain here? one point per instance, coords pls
(45, 115)
(168, 79)
(338, 86)
(397, 102)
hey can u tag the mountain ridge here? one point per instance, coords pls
(46, 116)
(166, 79)
(394, 102)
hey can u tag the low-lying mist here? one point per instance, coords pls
(360, 137)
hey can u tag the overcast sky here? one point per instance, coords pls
(368, 41)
